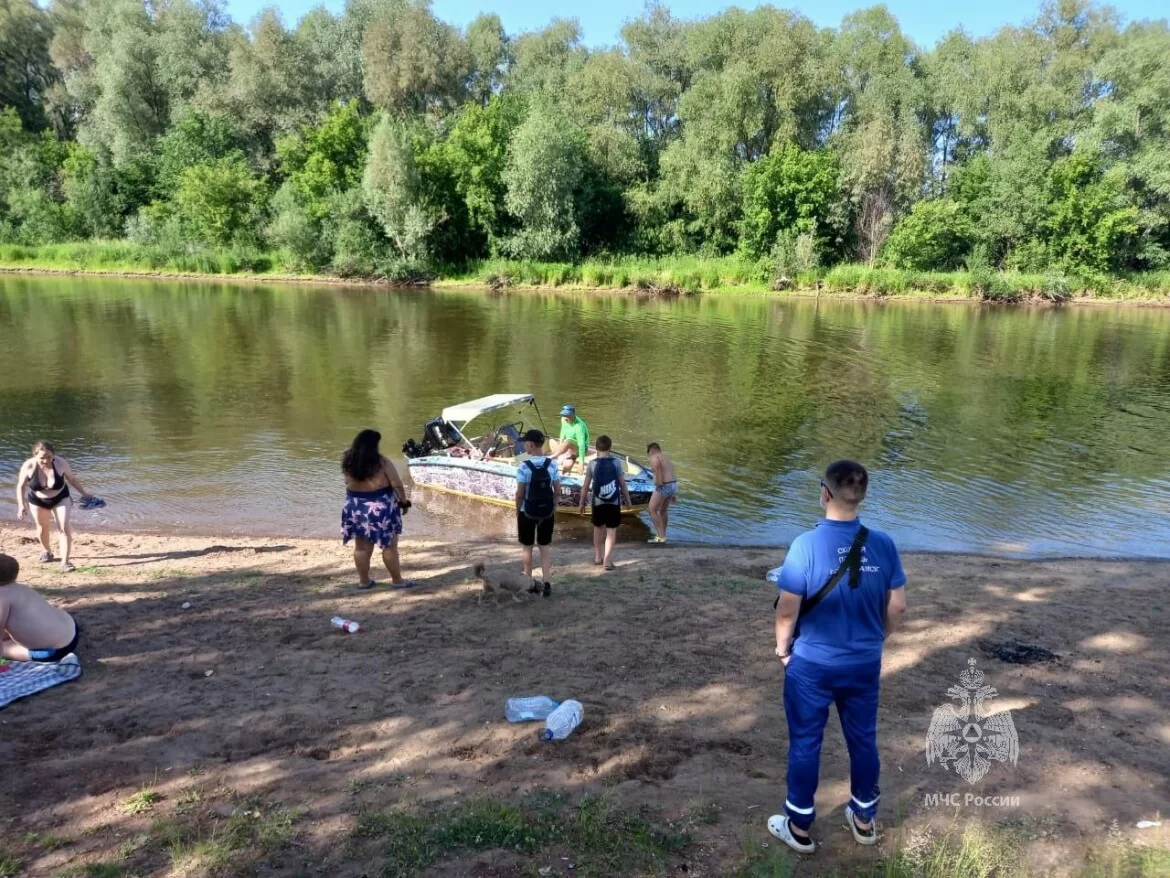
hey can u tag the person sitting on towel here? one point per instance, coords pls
(31, 629)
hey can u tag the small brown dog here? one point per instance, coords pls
(498, 581)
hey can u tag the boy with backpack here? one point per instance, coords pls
(604, 475)
(538, 482)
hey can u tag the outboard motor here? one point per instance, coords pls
(438, 434)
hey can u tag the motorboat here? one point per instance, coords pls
(481, 463)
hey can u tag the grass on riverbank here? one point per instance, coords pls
(730, 274)
(216, 833)
(669, 275)
(126, 256)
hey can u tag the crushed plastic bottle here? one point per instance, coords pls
(526, 708)
(561, 722)
(345, 625)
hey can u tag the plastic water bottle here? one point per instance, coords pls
(526, 708)
(774, 575)
(345, 625)
(562, 721)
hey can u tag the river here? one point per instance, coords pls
(223, 408)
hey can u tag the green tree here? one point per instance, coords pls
(332, 46)
(296, 232)
(936, 235)
(796, 191)
(544, 60)
(325, 159)
(413, 62)
(546, 159)
(393, 188)
(476, 155)
(94, 193)
(26, 70)
(31, 211)
(491, 55)
(220, 201)
(1132, 125)
(1090, 222)
(323, 165)
(126, 102)
(270, 85)
(656, 45)
(197, 137)
(191, 49)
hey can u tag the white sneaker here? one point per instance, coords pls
(866, 838)
(778, 826)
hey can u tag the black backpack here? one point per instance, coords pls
(606, 490)
(539, 500)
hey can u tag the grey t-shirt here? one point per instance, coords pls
(615, 495)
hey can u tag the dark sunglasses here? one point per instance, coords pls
(826, 487)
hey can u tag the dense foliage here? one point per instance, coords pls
(385, 141)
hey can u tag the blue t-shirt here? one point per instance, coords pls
(848, 626)
(524, 474)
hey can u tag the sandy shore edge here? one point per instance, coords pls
(248, 702)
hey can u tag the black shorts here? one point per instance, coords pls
(51, 502)
(533, 532)
(50, 656)
(606, 515)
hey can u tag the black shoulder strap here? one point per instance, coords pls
(851, 563)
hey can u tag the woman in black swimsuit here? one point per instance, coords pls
(43, 485)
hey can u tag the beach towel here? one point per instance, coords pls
(21, 679)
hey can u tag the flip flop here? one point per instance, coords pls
(46, 557)
(410, 583)
(67, 568)
(610, 567)
(596, 563)
(367, 586)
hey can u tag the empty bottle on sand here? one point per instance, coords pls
(523, 709)
(345, 625)
(562, 721)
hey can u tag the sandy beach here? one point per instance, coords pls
(244, 735)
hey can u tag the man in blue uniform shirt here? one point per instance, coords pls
(841, 593)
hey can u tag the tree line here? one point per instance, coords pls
(384, 141)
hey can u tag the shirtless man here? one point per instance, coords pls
(31, 629)
(665, 490)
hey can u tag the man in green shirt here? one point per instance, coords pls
(574, 442)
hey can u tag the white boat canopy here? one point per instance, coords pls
(468, 411)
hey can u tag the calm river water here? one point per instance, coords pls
(223, 408)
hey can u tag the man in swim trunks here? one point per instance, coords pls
(31, 629)
(665, 490)
(574, 442)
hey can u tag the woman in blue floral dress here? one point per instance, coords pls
(375, 500)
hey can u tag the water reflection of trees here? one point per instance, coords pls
(1041, 399)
